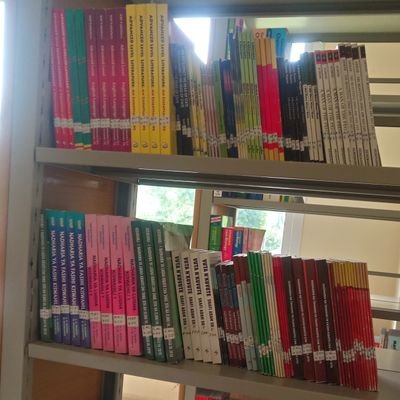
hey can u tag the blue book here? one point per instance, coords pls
(72, 268)
(55, 276)
(83, 284)
(237, 241)
(62, 255)
(280, 35)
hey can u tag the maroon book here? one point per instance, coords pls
(296, 348)
(304, 319)
(316, 321)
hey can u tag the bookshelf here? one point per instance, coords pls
(30, 132)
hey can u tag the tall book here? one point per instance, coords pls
(150, 265)
(118, 285)
(106, 301)
(143, 290)
(93, 277)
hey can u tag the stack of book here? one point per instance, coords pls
(121, 83)
(134, 287)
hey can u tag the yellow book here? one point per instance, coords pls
(193, 102)
(153, 57)
(143, 61)
(167, 139)
(133, 72)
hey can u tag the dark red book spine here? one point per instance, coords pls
(296, 347)
(328, 328)
(311, 284)
(304, 319)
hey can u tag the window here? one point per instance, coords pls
(165, 204)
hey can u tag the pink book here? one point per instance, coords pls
(123, 80)
(118, 285)
(93, 281)
(55, 85)
(255, 239)
(227, 243)
(102, 65)
(131, 290)
(93, 77)
(112, 77)
(103, 242)
(66, 81)
(245, 240)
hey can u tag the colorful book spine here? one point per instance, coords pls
(46, 319)
(118, 285)
(72, 261)
(84, 318)
(93, 276)
(63, 265)
(144, 297)
(131, 290)
(237, 246)
(227, 243)
(167, 140)
(173, 353)
(93, 77)
(55, 275)
(182, 304)
(103, 242)
(155, 303)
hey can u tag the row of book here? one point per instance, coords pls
(110, 283)
(230, 240)
(110, 79)
(258, 196)
(119, 84)
(389, 339)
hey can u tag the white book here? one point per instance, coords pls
(191, 302)
(309, 123)
(335, 103)
(182, 304)
(354, 106)
(348, 104)
(208, 259)
(323, 112)
(361, 105)
(376, 159)
(329, 106)
(343, 115)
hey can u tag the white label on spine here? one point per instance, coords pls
(169, 333)
(45, 313)
(106, 318)
(74, 310)
(132, 321)
(157, 331)
(64, 309)
(319, 355)
(146, 331)
(119, 320)
(95, 316)
(84, 314)
(296, 350)
(307, 348)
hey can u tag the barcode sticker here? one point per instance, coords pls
(45, 313)
(169, 333)
(296, 350)
(157, 331)
(95, 316)
(307, 349)
(84, 314)
(119, 320)
(106, 318)
(319, 355)
(132, 321)
(146, 331)
(64, 309)
(74, 310)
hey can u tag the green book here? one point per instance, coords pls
(72, 50)
(167, 294)
(83, 79)
(153, 289)
(144, 298)
(217, 222)
(46, 320)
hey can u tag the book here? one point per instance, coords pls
(105, 286)
(227, 243)
(217, 222)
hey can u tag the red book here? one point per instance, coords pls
(103, 78)
(123, 80)
(328, 328)
(93, 78)
(316, 321)
(55, 83)
(296, 348)
(281, 302)
(227, 243)
(304, 319)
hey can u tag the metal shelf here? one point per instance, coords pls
(299, 179)
(224, 378)
(385, 308)
(318, 209)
